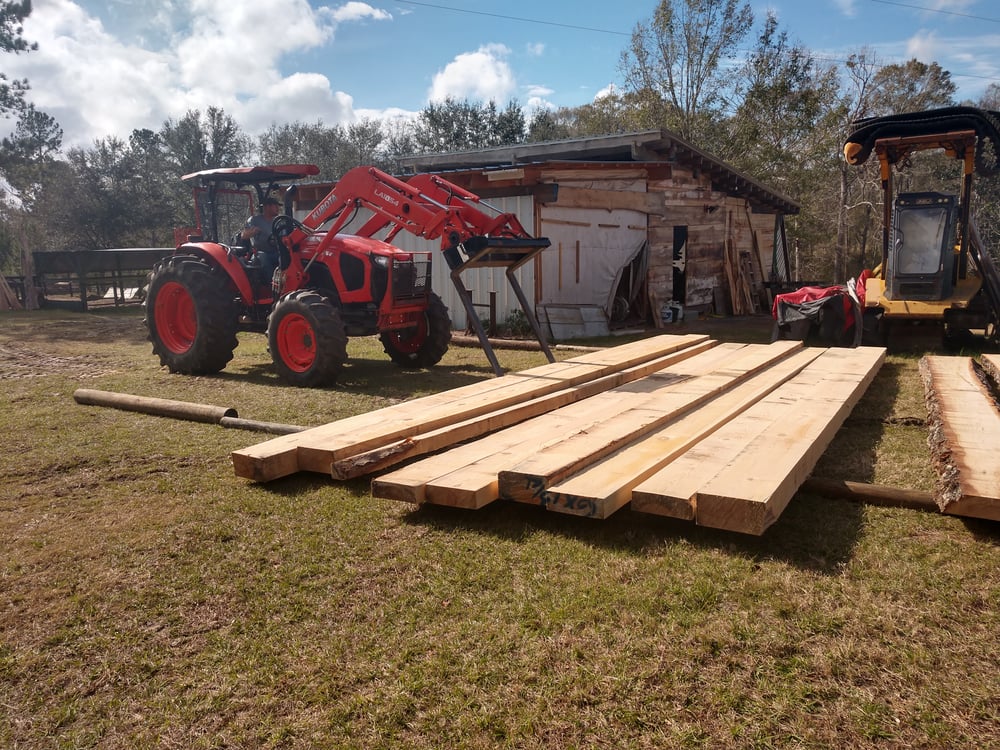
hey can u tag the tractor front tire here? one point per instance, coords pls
(424, 344)
(191, 315)
(306, 336)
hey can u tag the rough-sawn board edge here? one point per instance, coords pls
(945, 379)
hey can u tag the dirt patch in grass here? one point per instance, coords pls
(17, 362)
(44, 344)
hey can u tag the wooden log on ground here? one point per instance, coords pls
(871, 494)
(467, 476)
(606, 486)
(316, 449)
(528, 481)
(161, 407)
(964, 426)
(273, 428)
(514, 344)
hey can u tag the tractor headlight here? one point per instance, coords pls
(381, 261)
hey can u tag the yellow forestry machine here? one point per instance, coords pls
(925, 291)
(925, 281)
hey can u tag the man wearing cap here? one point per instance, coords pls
(257, 232)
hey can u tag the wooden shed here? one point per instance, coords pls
(644, 227)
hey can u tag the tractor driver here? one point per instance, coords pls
(258, 233)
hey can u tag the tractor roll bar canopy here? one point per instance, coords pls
(252, 175)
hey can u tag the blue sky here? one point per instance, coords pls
(105, 67)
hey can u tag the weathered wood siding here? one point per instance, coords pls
(711, 217)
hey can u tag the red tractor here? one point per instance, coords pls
(328, 285)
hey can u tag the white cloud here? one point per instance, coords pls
(355, 11)
(536, 50)
(538, 98)
(923, 46)
(480, 76)
(609, 90)
(287, 99)
(136, 63)
(846, 7)
(233, 45)
(88, 81)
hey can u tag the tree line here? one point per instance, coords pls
(780, 116)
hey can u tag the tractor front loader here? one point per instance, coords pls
(328, 285)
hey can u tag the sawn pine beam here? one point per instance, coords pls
(466, 476)
(749, 470)
(385, 457)
(606, 486)
(316, 449)
(529, 480)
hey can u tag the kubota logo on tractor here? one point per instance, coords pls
(324, 206)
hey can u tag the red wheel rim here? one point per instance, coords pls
(175, 316)
(296, 342)
(409, 340)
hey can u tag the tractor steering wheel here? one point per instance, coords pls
(282, 226)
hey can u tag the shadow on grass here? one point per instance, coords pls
(372, 377)
(306, 482)
(812, 534)
(984, 531)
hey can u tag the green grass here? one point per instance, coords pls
(151, 599)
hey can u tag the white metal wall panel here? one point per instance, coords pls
(589, 249)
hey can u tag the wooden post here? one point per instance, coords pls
(158, 406)
(27, 267)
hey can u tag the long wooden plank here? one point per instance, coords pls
(466, 476)
(466, 471)
(964, 435)
(672, 491)
(752, 490)
(385, 457)
(544, 468)
(317, 448)
(606, 486)
(474, 484)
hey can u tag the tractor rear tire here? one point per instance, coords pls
(191, 315)
(424, 344)
(306, 336)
